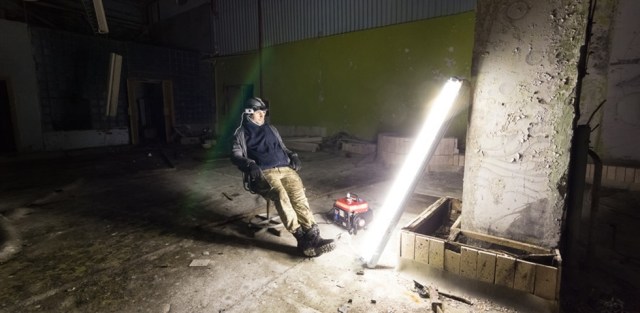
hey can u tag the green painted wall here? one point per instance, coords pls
(364, 82)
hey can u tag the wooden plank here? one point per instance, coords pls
(505, 270)
(422, 249)
(486, 266)
(546, 282)
(558, 262)
(506, 242)
(436, 304)
(426, 214)
(436, 253)
(525, 276)
(453, 234)
(407, 245)
(452, 261)
(456, 224)
(468, 262)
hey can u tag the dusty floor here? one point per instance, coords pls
(117, 230)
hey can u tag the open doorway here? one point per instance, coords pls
(7, 133)
(151, 111)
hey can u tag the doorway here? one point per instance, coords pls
(7, 133)
(151, 111)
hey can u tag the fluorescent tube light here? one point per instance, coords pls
(103, 28)
(422, 149)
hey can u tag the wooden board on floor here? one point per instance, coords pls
(505, 242)
(431, 218)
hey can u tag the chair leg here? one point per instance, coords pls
(264, 221)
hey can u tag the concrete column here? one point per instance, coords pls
(517, 154)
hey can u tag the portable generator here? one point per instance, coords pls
(352, 213)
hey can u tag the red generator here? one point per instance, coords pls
(352, 213)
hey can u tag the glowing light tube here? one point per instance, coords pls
(421, 150)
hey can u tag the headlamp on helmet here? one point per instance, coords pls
(254, 104)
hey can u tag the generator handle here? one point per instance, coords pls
(353, 196)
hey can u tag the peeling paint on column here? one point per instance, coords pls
(517, 159)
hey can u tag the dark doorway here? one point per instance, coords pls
(7, 134)
(151, 113)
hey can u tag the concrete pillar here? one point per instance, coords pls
(517, 154)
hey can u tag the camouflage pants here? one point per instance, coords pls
(287, 192)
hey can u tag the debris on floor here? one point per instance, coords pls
(199, 262)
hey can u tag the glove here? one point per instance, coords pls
(295, 163)
(254, 171)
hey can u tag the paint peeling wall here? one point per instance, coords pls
(517, 156)
(621, 112)
(594, 83)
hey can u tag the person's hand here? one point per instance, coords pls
(254, 171)
(295, 162)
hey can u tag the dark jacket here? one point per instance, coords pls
(239, 156)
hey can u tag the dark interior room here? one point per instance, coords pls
(319, 156)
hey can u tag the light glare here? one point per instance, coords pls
(389, 214)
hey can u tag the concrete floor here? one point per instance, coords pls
(116, 230)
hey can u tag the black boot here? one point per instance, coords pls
(304, 245)
(319, 244)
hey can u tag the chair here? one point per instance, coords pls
(262, 221)
(265, 222)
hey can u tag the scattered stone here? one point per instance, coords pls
(373, 301)
(360, 272)
(199, 262)
(166, 308)
(205, 252)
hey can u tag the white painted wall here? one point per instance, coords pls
(17, 65)
(518, 142)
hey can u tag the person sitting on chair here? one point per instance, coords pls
(270, 170)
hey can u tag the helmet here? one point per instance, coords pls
(255, 104)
